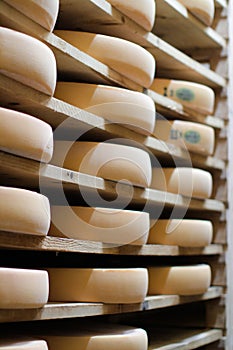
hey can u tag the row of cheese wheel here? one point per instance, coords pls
(28, 212)
(28, 289)
(45, 12)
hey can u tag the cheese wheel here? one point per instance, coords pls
(23, 288)
(100, 224)
(196, 96)
(125, 57)
(114, 286)
(181, 280)
(27, 60)
(25, 136)
(183, 233)
(142, 12)
(133, 109)
(24, 211)
(106, 160)
(203, 9)
(112, 337)
(20, 344)
(43, 12)
(194, 137)
(189, 182)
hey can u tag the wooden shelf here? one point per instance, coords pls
(70, 310)
(99, 16)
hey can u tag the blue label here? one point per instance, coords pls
(192, 136)
(185, 94)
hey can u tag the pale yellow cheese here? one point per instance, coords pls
(26, 136)
(125, 57)
(194, 137)
(133, 109)
(23, 344)
(43, 12)
(24, 211)
(27, 60)
(203, 9)
(100, 224)
(181, 232)
(106, 160)
(23, 288)
(185, 181)
(101, 337)
(142, 12)
(196, 96)
(114, 286)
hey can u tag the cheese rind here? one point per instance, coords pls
(105, 225)
(181, 280)
(114, 286)
(194, 137)
(133, 109)
(189, 182)
(23, 288)
(125, 57)
(184, 233)
(27, 60)
(21, 344)
(26, 136)
(203, 9)
(196, 96)
(104, 160)
(142, 12)
(43, 12)
(24, 211)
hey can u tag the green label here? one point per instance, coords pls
(192, 136)
(185, 94)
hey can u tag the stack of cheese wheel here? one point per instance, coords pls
(125, 57)
(134, 110)
(202, 9)
(181, 232)
(104, 160)
(23, 288)
(105, 225)
(24, 211)
(196, 96)
(102, 337)
(26, 136)
(181, 280)
(23, 344)
(43, 12)
(106, 285)
(194, 137)
(142, 12)
(189, 182)
(27, 60)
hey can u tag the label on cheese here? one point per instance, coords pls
(27, 60)
(114, 286)
(22, 344)
(202, 9)
(125, 57)
(26, 136)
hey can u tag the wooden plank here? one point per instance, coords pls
(71, 310)
(220, 3)
(30, 242)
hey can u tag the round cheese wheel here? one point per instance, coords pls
(203, 9)
(196, 96)
(125, 57)
(27, 60)
(23, 288)
(24, 211)
(114, 286)
(100, 224)
(26, 136)
(133, 109)
(181, 280)
(194, 137)
(142, 12)
(20, 344)
(43, 12)
(106, 160)
(183, 233)
(189, 182)
(104, 337)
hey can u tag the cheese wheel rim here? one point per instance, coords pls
(204, 10)
(23, 344)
